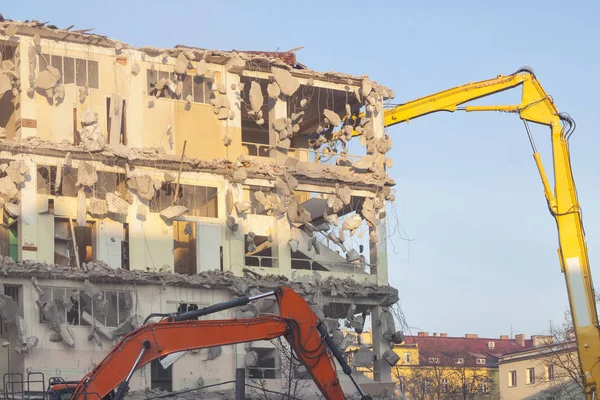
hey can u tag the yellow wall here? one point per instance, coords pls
(145, 126)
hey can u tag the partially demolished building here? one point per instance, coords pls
(143, 180)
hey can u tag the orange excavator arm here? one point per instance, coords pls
(307, 336)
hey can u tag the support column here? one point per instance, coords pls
(383, 371)
(25, 114)
(234, 258)
(27, 222)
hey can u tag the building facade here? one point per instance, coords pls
(142, 180)
(431, 367)
(546, 371)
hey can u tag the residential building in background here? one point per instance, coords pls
(546, 371)
(437, 366)
(143, 180)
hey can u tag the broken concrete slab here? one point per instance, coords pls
(116, 204)
(46, 79)
(344, 193)
(86, 174)
(338, 337)
(30, 343)
(365, 162)
(98, 208)
(214, 352)
(182, 64)
(173, 212)
(332, 117)
(201, 68)
(352, 223)
(363, 358)
(144, 185)
(242, 206)
(9, 309)
(287, 83)
(251, 359)
(8, 187)
(273, 91)
(135, 68)
(391, 357)
(13, 210)
(99, 326)
(231, 224)
(235, 64)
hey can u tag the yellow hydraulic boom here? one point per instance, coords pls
(536, 106)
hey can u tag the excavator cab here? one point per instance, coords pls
(59, 389)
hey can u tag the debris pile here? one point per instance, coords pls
(99, 272)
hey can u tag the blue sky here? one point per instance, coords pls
(483, 259)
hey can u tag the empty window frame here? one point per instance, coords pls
(108, 182)
(73, 70)
(197, 87)
(109, 307)
(267, 366)
(481, 361)
(184, 247)
(67, 250)
(201, 201)
(250, 195)
(119, 119)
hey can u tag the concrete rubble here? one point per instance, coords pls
(287, 83)
(144, 185)
(91, 134)
(239, 286)
(173, 212)
(116, 204)
(255, 168)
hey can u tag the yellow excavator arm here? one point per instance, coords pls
(536, 106)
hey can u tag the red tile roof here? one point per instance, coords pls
(448, 349)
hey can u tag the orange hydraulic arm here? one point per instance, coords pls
(296, 322)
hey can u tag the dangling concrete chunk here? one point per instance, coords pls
(144, 185)
(47, 79)
(173, 212)
(235, 64)
(333, 118)
(86, 175)
(182, 64)
(273, 91)
(287, 83)
(8, 187)
(256, 96)
(135, 68)
(116, 205)
(201, 68)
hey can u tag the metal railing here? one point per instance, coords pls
(16, 388)
(310, 155)
(356, 268)
(312, 265)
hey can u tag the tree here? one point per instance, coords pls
(561, 363)
(295, 380)
(445, 380)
